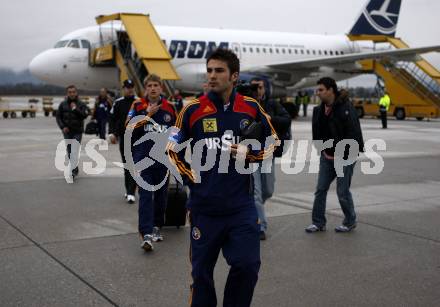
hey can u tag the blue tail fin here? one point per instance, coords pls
(379, 17)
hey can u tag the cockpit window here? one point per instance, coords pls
(74, 43)
(85, 44)
(61, 44)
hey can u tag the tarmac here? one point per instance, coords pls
(77, 244)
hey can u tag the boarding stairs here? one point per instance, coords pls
(413, 81)
(136, 50)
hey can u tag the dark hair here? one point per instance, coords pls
(70, 86)
(329, 83)
(227, 56)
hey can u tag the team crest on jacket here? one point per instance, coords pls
(244, 123)
(196, 234)
(209, 125)
(167, 118)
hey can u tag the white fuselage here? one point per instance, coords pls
(63, 65)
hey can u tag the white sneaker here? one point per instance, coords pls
(157, 236)
(147, 243)
(131, 199)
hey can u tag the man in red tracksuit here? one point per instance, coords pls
(222, 210)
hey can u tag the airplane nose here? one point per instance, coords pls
(39, 66)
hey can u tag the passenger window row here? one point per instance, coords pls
(288, 51)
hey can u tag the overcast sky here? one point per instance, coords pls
(29, 26)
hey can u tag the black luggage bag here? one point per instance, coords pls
(91, 127)
(175, 214)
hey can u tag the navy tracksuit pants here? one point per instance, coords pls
(102, 128)
(152, 204)
(237, 235)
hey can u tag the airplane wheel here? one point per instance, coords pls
(33, 114)
(419, 118)
(54, 113)
(24, 114)
(400, 114)
(5, 114)
(46, 113)
(13, 115)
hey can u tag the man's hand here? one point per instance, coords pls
(72, 106)
(239, 151)
(152, 109)
(113, 138)
(66, 130)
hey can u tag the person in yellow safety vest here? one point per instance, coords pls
(384, 106)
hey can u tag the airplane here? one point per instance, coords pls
(287, 61)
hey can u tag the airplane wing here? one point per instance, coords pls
(407, 54)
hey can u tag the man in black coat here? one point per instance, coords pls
(118, 116)
(70, 118)
(334, 119)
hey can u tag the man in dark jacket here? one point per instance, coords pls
(334, 119)
(70, 118)
(118, 116)
(101, 112)
(264, 182)
(177, 100)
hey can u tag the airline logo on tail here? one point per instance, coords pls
(379, 17)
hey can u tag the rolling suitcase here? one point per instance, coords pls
(175, 214)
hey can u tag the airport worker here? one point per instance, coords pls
(204, 91)
(101, 112)
(118, 116)
(384, 106)
(298, 102)
(264, 182)
(305, 103)
(70, 118)
(152, 204)
(221, 206)
(334, 119)
(177, 100)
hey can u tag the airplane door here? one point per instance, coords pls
(354, 48)
(237, 49)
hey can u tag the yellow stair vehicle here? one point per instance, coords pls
(137, 51)
(413, 85)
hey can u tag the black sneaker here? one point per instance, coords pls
(313, 228)
(344, 228)
(262, 235)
